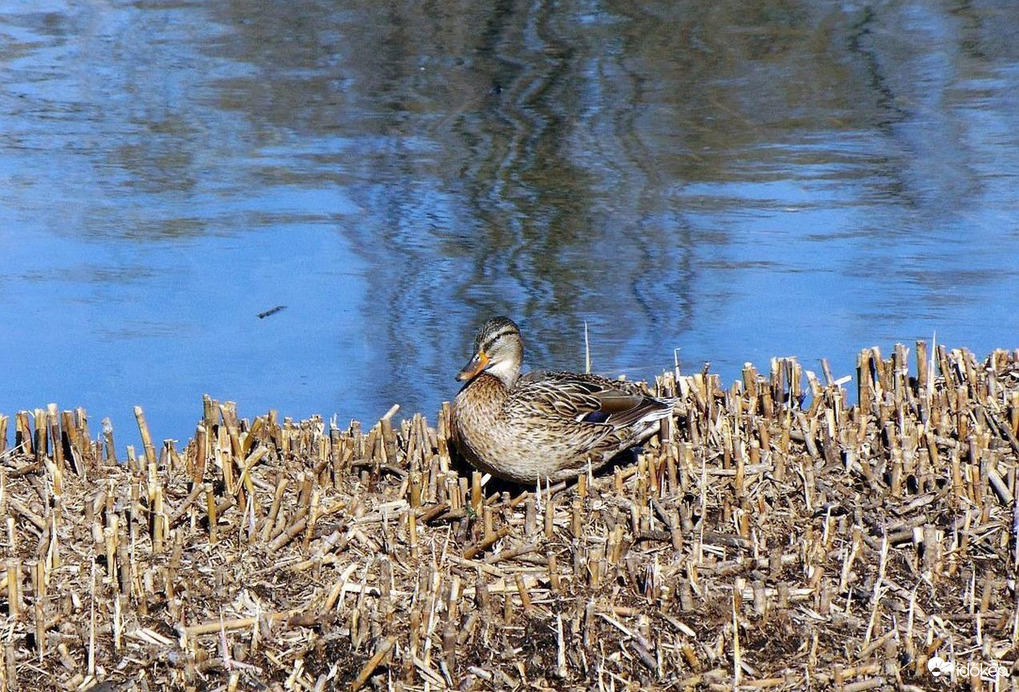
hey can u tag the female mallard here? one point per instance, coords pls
(543, 425)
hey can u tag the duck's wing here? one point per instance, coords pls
(587, 398)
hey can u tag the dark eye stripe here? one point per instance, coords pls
(495, 337)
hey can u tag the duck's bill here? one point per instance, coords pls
(478, 363)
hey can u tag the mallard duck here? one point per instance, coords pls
(543, 425)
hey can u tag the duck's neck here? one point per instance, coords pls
(506, 371)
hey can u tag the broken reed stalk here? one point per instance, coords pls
(143, 428)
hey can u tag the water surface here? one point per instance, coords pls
(735, 181)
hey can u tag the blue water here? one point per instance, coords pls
(803, 179)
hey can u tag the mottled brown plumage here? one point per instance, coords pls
(543, 425)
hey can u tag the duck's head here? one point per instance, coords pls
(498, 350)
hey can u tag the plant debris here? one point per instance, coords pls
(772, 536)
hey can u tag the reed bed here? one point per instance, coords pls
(771, 537)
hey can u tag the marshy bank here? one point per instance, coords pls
(772, 536)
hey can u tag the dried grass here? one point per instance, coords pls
(771, 537)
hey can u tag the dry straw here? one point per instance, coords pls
(772, 537)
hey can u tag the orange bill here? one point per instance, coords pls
(476, 365)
